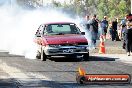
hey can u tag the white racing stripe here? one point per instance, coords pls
(19, 76)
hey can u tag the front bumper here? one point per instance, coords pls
(66, 50)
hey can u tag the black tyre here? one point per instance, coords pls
(43, 56)
(38, 56)
(86, 57)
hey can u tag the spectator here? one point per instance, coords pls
(129, 17)
(100, 30)
(105, 26)
(123, 36)
(114, 30)
(123, 22)
(123, 26)
(94, 30)
(128, 38)
(87, 22)
(119, 34)
(111, 30)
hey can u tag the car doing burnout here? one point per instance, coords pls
(61, 39)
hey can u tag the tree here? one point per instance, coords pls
(56, 4)
(110, 8)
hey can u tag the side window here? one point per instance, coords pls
(41, 28)
(75, 29)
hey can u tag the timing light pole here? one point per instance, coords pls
(131, 6)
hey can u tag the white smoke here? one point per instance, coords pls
(81, 22)
(18, 27)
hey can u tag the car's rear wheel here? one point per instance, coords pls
(86, 57)
(43, 56)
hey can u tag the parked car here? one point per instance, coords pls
(61, 39)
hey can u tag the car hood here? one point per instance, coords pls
(65, 39)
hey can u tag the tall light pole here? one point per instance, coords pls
(131, 6)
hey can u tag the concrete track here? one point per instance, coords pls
(20, 72)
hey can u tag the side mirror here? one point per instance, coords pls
(83, 33)
(38, 34)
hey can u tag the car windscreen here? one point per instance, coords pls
(59, 29)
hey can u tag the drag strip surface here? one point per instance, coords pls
(59, 73)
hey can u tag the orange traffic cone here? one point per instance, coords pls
(81, 71)
(102, 45)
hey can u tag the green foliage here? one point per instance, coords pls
(56, 4)
(110, 8)
(122, 8)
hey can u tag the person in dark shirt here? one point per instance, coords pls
(94, 30)
(114, 29)
(128, 38)
(94, 23)
(104, 25)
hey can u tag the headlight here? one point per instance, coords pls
(54, 45)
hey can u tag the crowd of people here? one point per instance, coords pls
(116, 30)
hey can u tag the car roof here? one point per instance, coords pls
(58, 23)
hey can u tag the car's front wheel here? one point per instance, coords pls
(38, 56)
(43, 56)
(86, 57)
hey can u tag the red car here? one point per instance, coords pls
(61, 39)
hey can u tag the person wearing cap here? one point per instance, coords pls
(104, 26)
(128, 38)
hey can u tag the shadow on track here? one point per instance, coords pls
(91, 58)
(97, 58)
(65, 59)
(7, 83)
